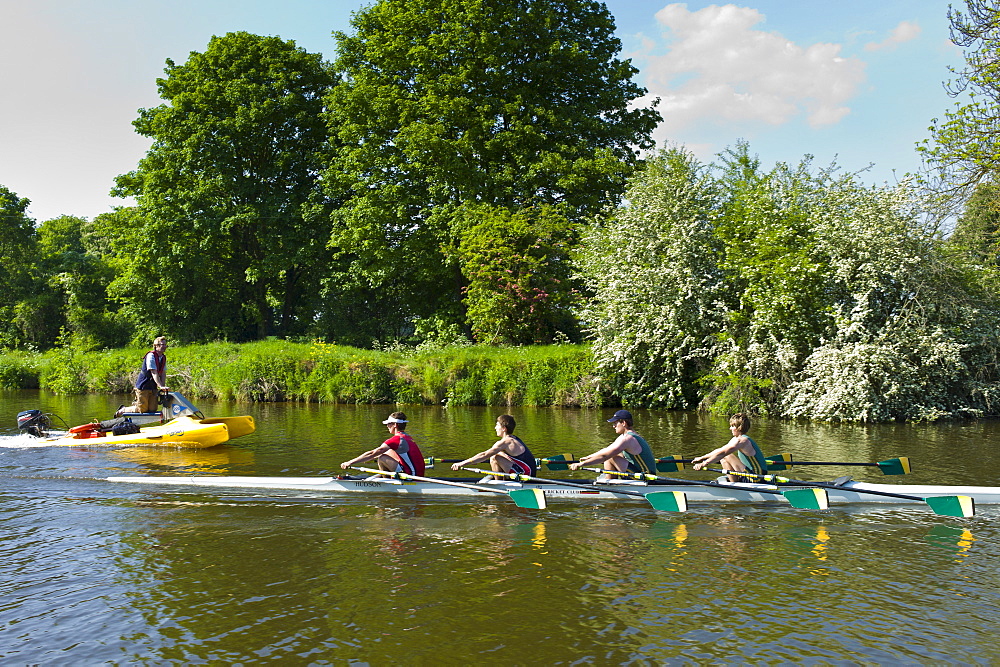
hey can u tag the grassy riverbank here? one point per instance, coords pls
(556, 375)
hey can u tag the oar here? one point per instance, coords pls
(528, 498)
(814, 499)
(557, 462)
(896, 466)
(960, 506)
(666, 501)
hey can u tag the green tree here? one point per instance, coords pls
(226, 240)
(18, 277)
(517, 266)
(74, 299)
(454, 102)
(978, 228)
(965, 146)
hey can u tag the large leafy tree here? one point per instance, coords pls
(965, 145)
(224, 240)
(18, 254)
(449, 103)
(978, 228)
(72, 290)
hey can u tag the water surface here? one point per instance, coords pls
(95, 572)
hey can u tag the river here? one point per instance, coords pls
(95, 572)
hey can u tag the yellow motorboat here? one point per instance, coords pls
(186, 431)
(177, 424)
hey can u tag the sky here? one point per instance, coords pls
(853, 82)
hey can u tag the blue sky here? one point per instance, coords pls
(854, 81)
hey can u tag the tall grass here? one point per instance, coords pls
(556, 375)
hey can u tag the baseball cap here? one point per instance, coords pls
(621, 414)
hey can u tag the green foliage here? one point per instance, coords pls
(72, 296)
(277, 370)
(811, 296)
(659, 296)
(19, 370)
(964, 146)
(18, 248)
(226, 240)
(518, 271)
(447, 103)
(978, 229)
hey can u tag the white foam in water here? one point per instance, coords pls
(25, 441)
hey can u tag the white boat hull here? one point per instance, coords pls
(850, 492)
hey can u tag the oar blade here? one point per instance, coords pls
(558, 462)
(807, 499)
(781, 461)
(960, 506)
(533, 499)
(670, 463)
(898, 466)
(668, 501)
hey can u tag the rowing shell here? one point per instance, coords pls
(722, 492)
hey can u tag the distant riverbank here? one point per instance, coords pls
(554, 375)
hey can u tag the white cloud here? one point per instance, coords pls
(719, 68)
(903, 32)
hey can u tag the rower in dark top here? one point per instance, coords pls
(629, 452)
(507, 454)
(741, 453)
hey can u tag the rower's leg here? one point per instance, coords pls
(389, 463)
(617, 463)
(500, 463)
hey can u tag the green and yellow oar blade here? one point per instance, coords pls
(670, 463)
(961, 506)
(781, 461)
(558, 462)
(807, 499)
(532, 499)
(668, 501)
(897, 466)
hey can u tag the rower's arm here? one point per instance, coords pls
(716, 455)
(370, 455)
(481, 456)
(601, 455)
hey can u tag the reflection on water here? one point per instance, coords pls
(220, 459)
(96, 572)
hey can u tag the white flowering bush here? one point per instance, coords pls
(789, 293)
(658, 291)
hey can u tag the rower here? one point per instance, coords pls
(628, 453)
(507, 454)
(397, 454)
(741, 453)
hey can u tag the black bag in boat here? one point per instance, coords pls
(119, 426)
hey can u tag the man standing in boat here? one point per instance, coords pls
(152, 379)
(629, 452)
(741, 453)
(397, 454)
(507, 454)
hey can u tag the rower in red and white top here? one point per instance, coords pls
(397, 454)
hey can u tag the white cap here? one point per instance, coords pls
(393, 420)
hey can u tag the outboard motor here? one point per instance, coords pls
(33, 422)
